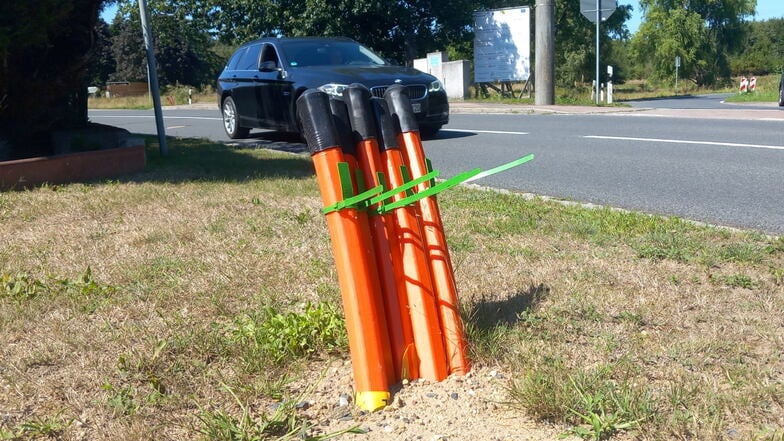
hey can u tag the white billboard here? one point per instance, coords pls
(502, 45)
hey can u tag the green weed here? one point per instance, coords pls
(277, 336)
(282, 424)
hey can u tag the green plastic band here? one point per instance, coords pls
(502, 167)
(429, 166)
(358, 201)
(346, 186)
(360, 177)
(405, 187)
(449, 183)
(406, 178)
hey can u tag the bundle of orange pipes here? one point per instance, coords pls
(394, 271)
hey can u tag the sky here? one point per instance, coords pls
(765, 9)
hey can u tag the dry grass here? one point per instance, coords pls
(674, 328)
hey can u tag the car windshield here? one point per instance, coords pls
(329, 53)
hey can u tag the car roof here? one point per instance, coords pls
(287, 39)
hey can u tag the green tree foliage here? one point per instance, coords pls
(182, 51)
(45, 48)
(575, 36)
(762, 49)
(102, 61)
(702, 32)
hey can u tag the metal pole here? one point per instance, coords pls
(598, 22)
(544, 77)
(153, 77)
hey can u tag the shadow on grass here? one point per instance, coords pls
(204, 160)
(489, 315)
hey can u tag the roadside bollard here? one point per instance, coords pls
(437, 251)
(385, 242)
(416, 281)
(352, 251)
(340, 115)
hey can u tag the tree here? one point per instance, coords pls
(182, 51)
(102, 60)
(45, 48)
(762, 49)
(701, 32)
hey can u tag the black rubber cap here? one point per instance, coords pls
(318, 125)
(343, 126)
(360, 112)
(388, 135)
(400, 106)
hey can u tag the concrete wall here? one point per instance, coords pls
(455, 75)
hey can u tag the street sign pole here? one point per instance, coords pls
(598, 22)
(153, 77)
(677, 65)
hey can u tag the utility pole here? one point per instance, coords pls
(544, 76)
(598, 22)
(153, 77)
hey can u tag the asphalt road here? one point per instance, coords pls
(727, 171)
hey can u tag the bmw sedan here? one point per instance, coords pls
(260, 84)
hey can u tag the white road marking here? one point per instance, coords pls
(496, 132)
(683, 141)
(153, 116)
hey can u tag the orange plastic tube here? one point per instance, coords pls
(382, 226)
(368, 226)
(437, 250)
(389, 259)
(353, 255)
(416, 279)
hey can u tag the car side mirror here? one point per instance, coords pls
(269, 66)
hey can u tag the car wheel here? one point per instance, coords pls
(428, 132)
(781, 96)
(231, 121)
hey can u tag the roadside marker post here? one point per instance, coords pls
(393, 266)
(416, 281)
(437, 250)
(385, 242)
(352, 251)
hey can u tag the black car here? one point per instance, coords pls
(261, 82)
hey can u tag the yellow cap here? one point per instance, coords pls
(372, 401)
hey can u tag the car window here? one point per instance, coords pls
(329, 53)
(269, 54)
(232, 64)
(250, 59)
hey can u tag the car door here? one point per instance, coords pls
(246, 77)
(273, 90)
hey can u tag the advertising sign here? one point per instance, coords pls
(502, 45)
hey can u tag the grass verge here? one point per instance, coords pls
(178, 304)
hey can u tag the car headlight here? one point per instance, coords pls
(435, 86)
(333, 89)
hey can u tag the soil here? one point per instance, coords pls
(471, 407)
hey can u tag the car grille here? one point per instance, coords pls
(415, 92)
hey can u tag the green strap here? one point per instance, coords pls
(449, 183)
(405, 187)
(502, 167)
(358, 201)
(346, 186)
(347, 189)
(377, 195)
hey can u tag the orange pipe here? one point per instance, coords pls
(433, 232)
(416, 280)
(353, 255)
(358, 286)
(440, 262)
(389, 260)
